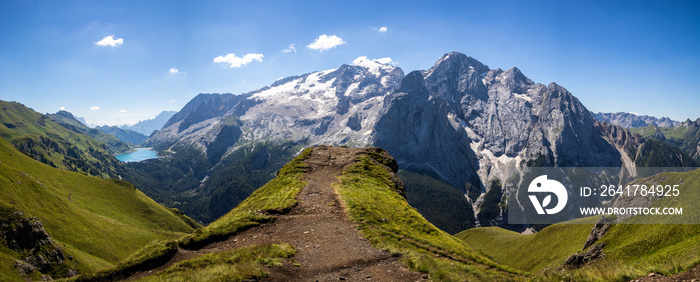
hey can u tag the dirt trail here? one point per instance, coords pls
(328, 244)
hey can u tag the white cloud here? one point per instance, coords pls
(61, 108)
(172, 101)
(174, 70)
(382, 29)
(325, 42)
(122, 111)
(110, 41)
(94, 108)
(237, 62)
(290, 49)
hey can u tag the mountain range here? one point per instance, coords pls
(460, 122)
(147, 127)
(126, 135)
(134, 135)
(628, 120)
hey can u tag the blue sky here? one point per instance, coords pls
(632, 56)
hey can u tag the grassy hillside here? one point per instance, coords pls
(42, 139)
(389, 223)
(114, 144)
(631, 250)
(685, 136)
(96, 221)
(547, 248)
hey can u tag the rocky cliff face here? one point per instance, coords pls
(419, 130)
(460, 120)
(625, 142)
(472, 125)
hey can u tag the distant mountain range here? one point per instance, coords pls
(146, 127)
(132, 134)
(129, 136)
(628, 120)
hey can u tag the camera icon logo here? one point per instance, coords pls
(542, 184)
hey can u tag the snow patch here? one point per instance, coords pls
(463, 123)
(310, 97)
(351, 88)
(374, 66)
(523, 97)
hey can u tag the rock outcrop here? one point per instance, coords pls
(26, 236)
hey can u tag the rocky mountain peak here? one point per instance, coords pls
(412, 83)
(456, 77)
(64, 113)
(457, 60)
(515, 80)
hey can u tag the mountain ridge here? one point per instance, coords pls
(146, 127)
(67, 120)
(126, 135)
(41, 138)
(628, 120)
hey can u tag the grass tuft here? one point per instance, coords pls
(236, 265)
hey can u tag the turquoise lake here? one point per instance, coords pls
(140, 155)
